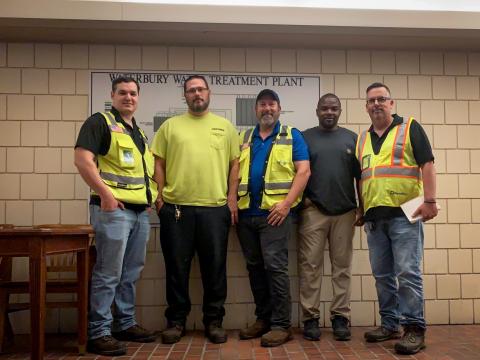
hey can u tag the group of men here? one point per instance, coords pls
(203, 177)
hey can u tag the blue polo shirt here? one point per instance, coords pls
(258, 152)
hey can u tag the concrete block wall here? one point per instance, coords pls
(44, 100)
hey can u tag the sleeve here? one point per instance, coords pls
(234, 143)
(94, 135)
(159, 143)
(422, 150)
(300, 148)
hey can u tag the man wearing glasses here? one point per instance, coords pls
(196, 168)
(397, 165)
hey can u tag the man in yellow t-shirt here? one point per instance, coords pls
(196, 168)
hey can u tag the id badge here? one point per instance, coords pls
(127, 157)
(366, 162)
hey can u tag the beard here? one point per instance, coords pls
(267, 120)
(198, 107)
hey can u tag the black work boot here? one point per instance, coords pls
(256, 330)
(135, 333)
(106, 345)
(173, 333)
(311, 331)
(381, 334)
(215, 332)
(413, 340)
(341, 329)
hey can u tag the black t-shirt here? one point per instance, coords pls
(95, 136)
(422, 151)
(334, 167)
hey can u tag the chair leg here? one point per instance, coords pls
(5, 326)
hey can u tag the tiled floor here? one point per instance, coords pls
(460, 342)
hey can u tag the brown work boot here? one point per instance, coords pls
(135, 333)
(413, 340)
(173, 333)
(276, 337)
(255, 330)
(215, 332)
(106, 345)
(381, 334)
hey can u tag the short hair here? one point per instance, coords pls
(378, 85)
(329, 95)
(124, 79)
(191, 77)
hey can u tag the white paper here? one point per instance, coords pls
(411, 206)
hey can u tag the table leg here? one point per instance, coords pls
(82, 298)
(38, 278)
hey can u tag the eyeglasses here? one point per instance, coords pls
(194, 90)
(381, 100)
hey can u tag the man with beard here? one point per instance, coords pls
(196, 169)
(274, 170)
(328, 215)
(397, 165)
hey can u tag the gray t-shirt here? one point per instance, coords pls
(334, 167)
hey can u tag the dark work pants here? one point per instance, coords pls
(265, 248)
(201, 229)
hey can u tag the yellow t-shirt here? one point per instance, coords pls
(197, 152)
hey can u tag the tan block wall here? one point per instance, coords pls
(44, 100)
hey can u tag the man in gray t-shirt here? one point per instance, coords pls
(329, 213)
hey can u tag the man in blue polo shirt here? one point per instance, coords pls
(274, 169)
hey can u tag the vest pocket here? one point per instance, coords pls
(125, 154)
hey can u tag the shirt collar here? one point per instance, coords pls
(397, 120)
(276, 130)
(118, 118)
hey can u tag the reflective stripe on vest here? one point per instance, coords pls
(122, 179)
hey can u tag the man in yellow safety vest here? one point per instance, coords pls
(112, 156)
(396, 160)
(274, 169)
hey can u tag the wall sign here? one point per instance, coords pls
(233, 96)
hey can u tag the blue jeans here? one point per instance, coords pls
(120, 238)
(396, 249)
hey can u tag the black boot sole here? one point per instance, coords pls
(404, 351)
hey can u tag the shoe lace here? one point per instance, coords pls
(108, 339)
(138, 327)
(411, 333)
(215, 324)
(340, 321)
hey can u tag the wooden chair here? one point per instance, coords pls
(64, 265)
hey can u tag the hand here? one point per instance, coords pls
(427, 211)
(159, 203)
(278, 213)
(109, 203)
(233, 206)
(359, 220)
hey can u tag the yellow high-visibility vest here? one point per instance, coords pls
(391, 177)
(279, 170)
(124, 169)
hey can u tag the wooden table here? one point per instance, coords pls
(36, 244)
